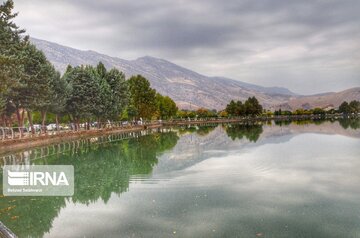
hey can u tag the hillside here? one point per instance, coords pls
(189, 89)
(327, 100)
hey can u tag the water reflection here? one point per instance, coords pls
(100, 169)
(209, 181)
(349, 123)
(199, 130)
(239, 131)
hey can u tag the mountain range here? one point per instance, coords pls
(191, 90)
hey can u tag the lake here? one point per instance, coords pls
(298, 179)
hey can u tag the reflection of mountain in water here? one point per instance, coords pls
(100, 170)
(192, 148)
(196, 146)
(345, 127)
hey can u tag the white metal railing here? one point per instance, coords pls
(11, 133)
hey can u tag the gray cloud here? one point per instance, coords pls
(307, 46)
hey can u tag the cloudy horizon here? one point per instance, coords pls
(306, 46)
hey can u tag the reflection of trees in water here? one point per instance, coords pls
(239, 131)
(307, 122)
(349, 123)
(30, 216)
(346, 123)
(282, 122)
(200, 130)
(100, 170)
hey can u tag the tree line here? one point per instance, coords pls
(351, 107)
(251, 107)
(344, 108)
(30, 84)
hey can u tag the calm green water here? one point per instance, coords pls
(279, 180)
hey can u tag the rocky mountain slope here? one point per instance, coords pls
(189, 89)
(326, 101)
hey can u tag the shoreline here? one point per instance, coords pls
(41, 140)
(33, 142)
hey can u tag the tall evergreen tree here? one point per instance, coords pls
(11, 43)
(101, 70)
(119, 93)
(35, 92)
(59, 97)
(83, 93)
(104, 98)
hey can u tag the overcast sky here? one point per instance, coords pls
(308, 46)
